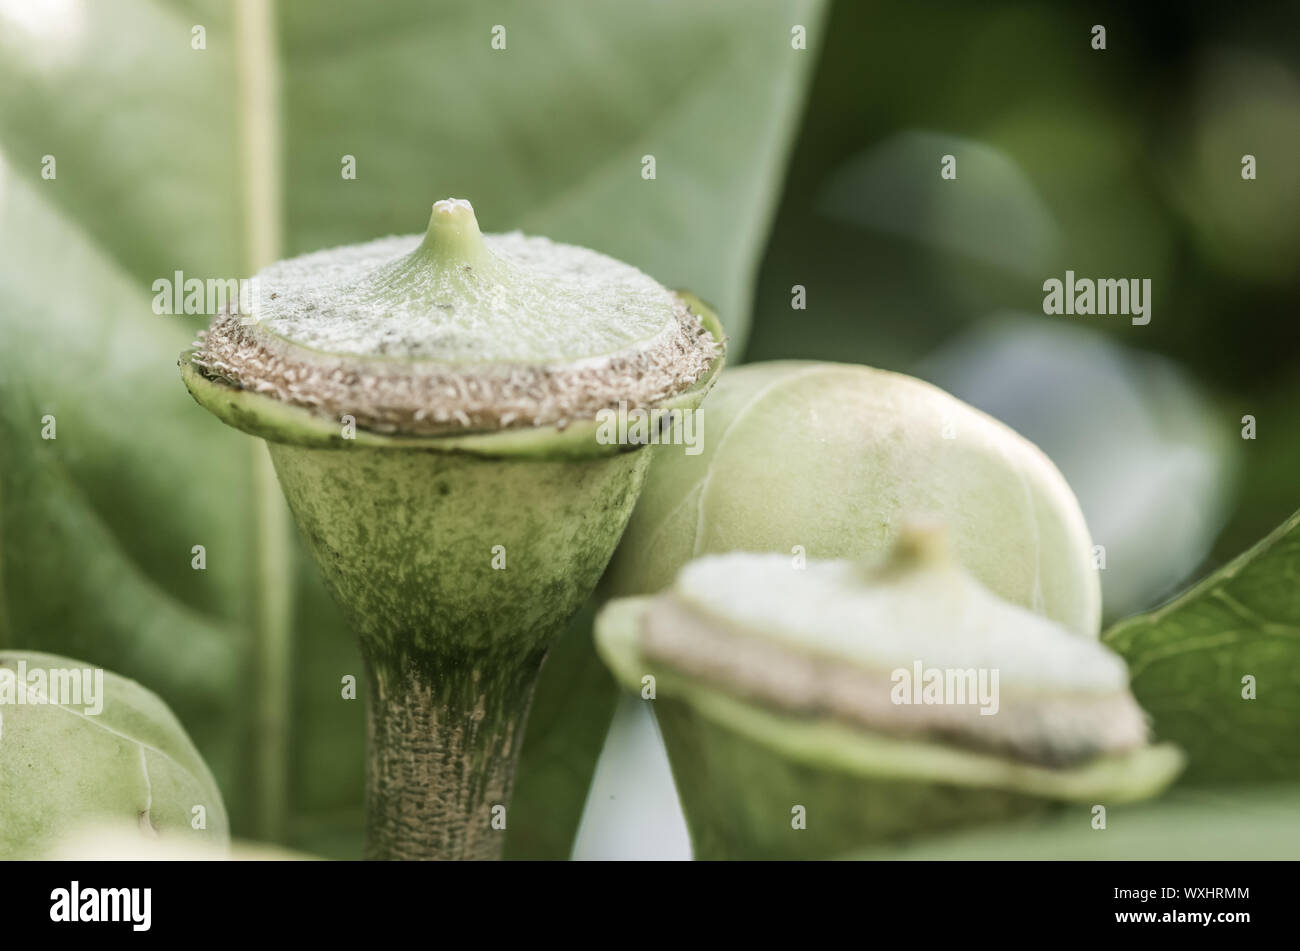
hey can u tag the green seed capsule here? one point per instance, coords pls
(431, 407)
(826, 460)
(811, 710)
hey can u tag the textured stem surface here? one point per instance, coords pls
(444, 740)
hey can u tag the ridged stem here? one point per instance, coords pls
(444, 738)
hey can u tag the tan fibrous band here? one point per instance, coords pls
(1055, 731)
(427, 398)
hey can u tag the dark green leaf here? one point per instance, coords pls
(1217, 667)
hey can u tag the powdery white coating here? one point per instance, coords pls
(937, 614)
(527, 300)
(458, 332)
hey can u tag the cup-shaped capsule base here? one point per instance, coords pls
(457, 571)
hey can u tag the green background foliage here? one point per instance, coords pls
(1193, 660)
(775, 167)
(148, 135)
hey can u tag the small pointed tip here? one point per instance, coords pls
(922, 539)
(922, 542)
(454, 208)
(453, 230)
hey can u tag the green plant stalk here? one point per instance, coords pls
(263, 224)
(453, 646)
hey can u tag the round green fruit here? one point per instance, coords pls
(826, 460)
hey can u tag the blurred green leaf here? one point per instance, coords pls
(1242, 103)
(1268, 482)
(1186, 824)
(1188, 659)
(154, 174)
(97, 524)
(1150, 455)
(548, 135)
(987, 210)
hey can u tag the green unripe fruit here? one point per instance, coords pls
(432, 407)
(110, 752)
(808, 711)
(827, 459)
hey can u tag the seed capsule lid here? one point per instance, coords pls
(454, 333)
(457, 296)
(919, 602)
